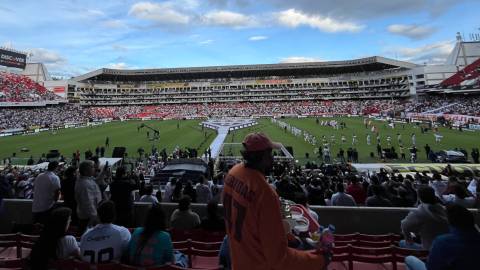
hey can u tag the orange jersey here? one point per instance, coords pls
(254, 225)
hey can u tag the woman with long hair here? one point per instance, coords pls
(177, 192)
(150, 245)
(53, 243)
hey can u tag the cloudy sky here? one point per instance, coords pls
(73, 37)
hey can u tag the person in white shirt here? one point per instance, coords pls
(204, 194)
(24, 187)
(389, 140)
(438, 139)
(438, 185)
(414, 138)
(149, 197)
(105, 242)
(354, 139)
(460, 196)
(399, 137)
(341, 198)
(46, 192)
(344, 139)
(368, 139)
(169, 189)
(217, 190)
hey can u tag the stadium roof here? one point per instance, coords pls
(369, 64)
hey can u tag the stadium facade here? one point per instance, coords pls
(367, 78)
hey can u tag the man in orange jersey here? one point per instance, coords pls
(252, 214)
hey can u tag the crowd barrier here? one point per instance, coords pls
(347, 220)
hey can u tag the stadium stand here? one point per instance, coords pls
(19, 88)
(467, 75)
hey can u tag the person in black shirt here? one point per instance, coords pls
(342, 155)
(68, 191)
(427, 149)
(355, 156)
(379, 150)
(107, 143)
(121, 194)
(102, 151)
(31, 161)
(188, 190)
(97, 151)
(213, 222)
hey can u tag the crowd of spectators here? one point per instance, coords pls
(20, 88)
(462, 105)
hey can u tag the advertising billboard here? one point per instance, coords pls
(12, 59)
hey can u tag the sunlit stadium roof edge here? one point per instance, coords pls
(369, 64)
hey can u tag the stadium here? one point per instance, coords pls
(363, 119)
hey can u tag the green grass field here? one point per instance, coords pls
(451, 139)
(125, 134)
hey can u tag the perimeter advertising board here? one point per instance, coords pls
(12, 59)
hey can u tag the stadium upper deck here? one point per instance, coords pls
(293, 70)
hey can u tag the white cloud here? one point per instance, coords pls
(438, 51)
(117, 47)
(296, 59)
(121, 57)
(413, 32)
(120, 66)
(160, 12)
(258, 38)
(229, 19)
(69, 45)
(371, 32)
(381, 42)
(152, 67)
(95, 13)
(294, 18)
(206, 42)
(194, 36)
(47, 56)
(116, 24)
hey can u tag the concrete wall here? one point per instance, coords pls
(366, 220)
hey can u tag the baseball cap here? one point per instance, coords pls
(258, 141)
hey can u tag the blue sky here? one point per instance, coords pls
(73, 37)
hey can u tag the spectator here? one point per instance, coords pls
(377, 200)
(300, 198)
(169, 189)
(31, 161)
(402, 200)
(328, 197)
(224, 254)
(177, 192)
(316, 193)
(87, 195)
(190, 191)
(53, 243)
(5, 189)
(213, 222)
(68, 191)
(150, 245)
(114, 238)
(437, 184)
(204, 194)
(149, 197)
(460, 195)
(411, 192)
(46, 192)
(258, 206)
(217, 190)
(184, 219)
(457, 250)
(341, 198)
(357, 191)
(24, 186)
(121, 193)
(429, 220)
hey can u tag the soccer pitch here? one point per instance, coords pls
(121, 134)
(125, 134)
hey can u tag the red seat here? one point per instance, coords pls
(24, 248)
(8, 249)
(399, 255)
(9, 237)
(345, 237)
(87, 266)
(372, 244)
(128, 267)
(182, 246)
(195, 235)
(203, 259)
(374, 257)
(12, 264)
(205, 245)
(213, 236)
(345, 243)
(62, 264)
(374, 238)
